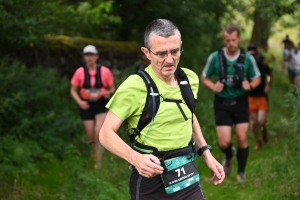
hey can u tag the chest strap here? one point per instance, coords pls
(177, 101)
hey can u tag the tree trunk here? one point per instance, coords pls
(261, 30)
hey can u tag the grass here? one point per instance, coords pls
(272, 172)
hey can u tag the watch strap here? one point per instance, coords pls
(204, 148)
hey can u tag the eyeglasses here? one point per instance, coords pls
(164, 54)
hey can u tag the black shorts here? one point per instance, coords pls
(227, 114)
(96, 107)
(142, 188)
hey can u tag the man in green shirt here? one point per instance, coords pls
(233, 70)
(172, 128)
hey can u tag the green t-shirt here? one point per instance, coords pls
(168, 130)
(212, 67)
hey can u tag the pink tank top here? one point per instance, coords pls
(107, 79)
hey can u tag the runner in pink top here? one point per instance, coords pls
(106, 78)
(91, 87)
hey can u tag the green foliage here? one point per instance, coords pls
(97, 18)
(36, 115)
(198, 22)
(56, 43)
(276, 9)
(25, 22)
(91, 184)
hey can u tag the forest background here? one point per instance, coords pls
(43, 150)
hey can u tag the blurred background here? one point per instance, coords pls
(43, 149)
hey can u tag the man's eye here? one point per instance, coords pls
(174, 51)
(162, 53)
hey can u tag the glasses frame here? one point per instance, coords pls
(168, 52)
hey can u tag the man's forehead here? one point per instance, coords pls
(155, 39)
(233, 34)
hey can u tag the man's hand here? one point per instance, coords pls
(147, 165)
(246, 85)
(84, 105)
(267, 89)
(218, 87)
(215, 167)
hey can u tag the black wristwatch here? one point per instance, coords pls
(204, 148)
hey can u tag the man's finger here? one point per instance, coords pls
(156, 161)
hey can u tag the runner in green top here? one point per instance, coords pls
(168, 131)
(231, 103)
(212, 67)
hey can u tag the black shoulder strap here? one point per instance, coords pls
(223, 66)
(239, 68)
(87, 78)
(98, 77)
(239, 65)
(241, 58)
(151, 105)
(185, 89)
(87, 82)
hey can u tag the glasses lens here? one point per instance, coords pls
(162, 54)
(175, 52)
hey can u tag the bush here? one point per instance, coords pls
(92, 184)
(37, 115)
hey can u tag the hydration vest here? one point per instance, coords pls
(152, 105)
(239, 68)
(87, 78)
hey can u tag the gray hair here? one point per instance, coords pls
(161, 27)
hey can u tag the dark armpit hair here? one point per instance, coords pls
(231, 28)
(160, 27)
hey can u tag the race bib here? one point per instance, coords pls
(93, 94)
(181, 173)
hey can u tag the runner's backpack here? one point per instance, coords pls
(239, 68)
(153, 100)
(87, 80)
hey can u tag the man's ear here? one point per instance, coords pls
(146, 52)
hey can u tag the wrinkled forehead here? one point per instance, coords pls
(157, 40)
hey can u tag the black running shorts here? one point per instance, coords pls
(142, 188)
(231, 114)
(96, 107)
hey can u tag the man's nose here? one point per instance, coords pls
(169, 57)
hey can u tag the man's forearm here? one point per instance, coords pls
(255, 82)
(113, 143)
